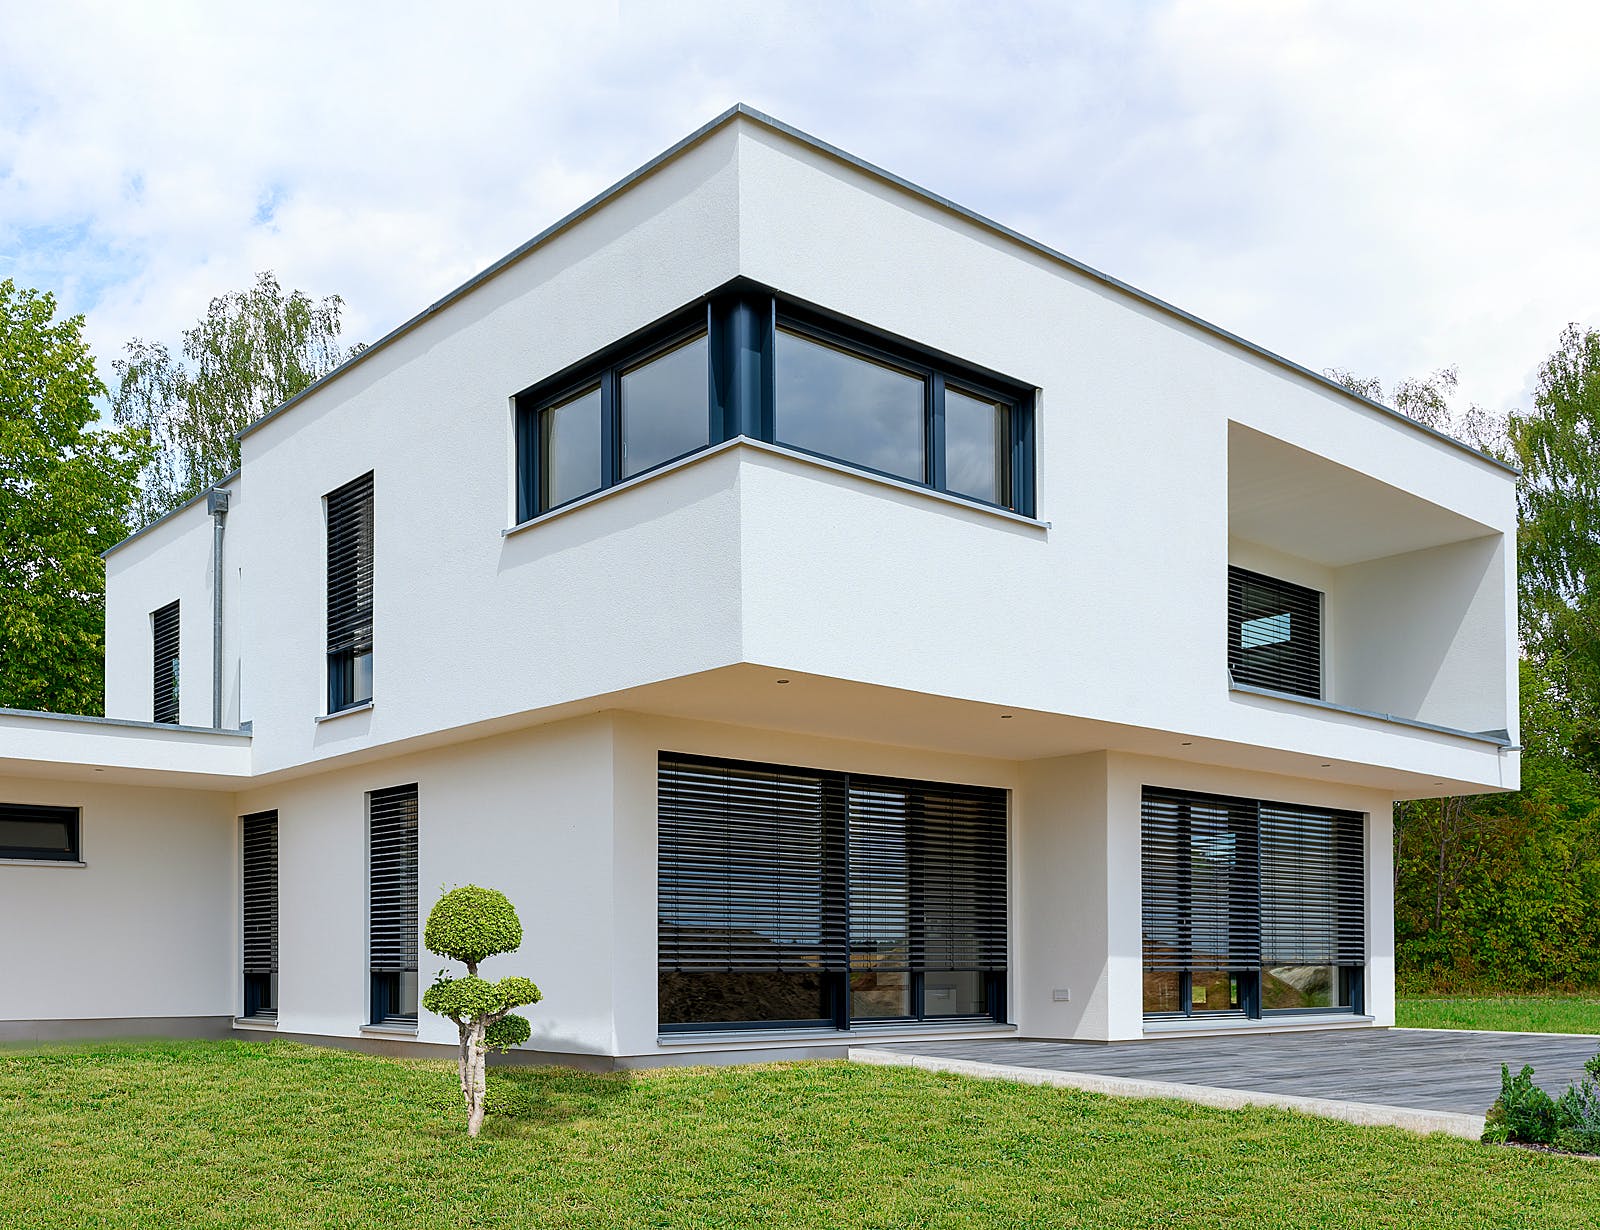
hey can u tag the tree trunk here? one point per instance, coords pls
(476, 1098)
(464, 1064)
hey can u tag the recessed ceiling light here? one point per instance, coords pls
(1187, 743)
(783, 681)
(1327, 764)
(1006, 717)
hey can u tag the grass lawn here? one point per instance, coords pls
(1558, 1014)
(274, 1134)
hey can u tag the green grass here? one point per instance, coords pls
(1546, 1014)
(279, 1135)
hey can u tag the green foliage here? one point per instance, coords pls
(66, 494)
(473, 998)
(253, 350)
(1523, 1111)
(507, 1032)
(471, 924)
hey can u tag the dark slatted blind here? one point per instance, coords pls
(1274, 633)
(393, 918)
(260, 896)
(1200, 864)
(350, 567)
(164, 636)
(768, 868)
(1313, 898)
(750, 877)
(49, 834)
(959, 877)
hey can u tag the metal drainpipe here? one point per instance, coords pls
(217, 506)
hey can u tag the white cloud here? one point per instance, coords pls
(1379, 187)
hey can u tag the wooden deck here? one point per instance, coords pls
(1438, 1070)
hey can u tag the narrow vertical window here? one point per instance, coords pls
(164, 639)
(392, 904)
(260, 908)
(349, 515)
(1274, 633)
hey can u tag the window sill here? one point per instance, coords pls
(1244, 1025)
(391, 1031)
(911, 1031)
(789, 454)
(364, 707)
(1494, 738)
(255, 1022)
(40, 862)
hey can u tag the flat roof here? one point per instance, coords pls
(739, 110)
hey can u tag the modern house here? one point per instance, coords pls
(825, 612)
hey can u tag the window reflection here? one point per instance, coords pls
(665, 410)
(841, 405)
(569, 441)
(976, 441)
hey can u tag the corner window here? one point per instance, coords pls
(1274, 633)
(1251, 908)
(42, 834)
(164, 642)
(392, 904)
(752, 365)
(349, 517)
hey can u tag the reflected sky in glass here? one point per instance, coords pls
(665, 407)
(842, 406)
(974, 446)
(569, 436)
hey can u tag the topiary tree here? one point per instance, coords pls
(470, 925)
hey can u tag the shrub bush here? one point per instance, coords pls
(1523, 1112)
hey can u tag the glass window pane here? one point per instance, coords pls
(665, 407)
(569, 447)
(1163, 991)
(1213, 991)
(843, 406)
(741, 998)
(953, 994)
(1304, 986)
(35, 835)
(361, 688)
(976, 442)
(878, 994)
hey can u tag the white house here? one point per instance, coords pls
(824, 612)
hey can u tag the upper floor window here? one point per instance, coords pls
(349, 514)
(164, 642)
(1274, 633)
(43, 834)
(753, 365)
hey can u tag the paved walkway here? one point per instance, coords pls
(1423, 1079)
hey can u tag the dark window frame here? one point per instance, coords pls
(388, 960)
(70, 818)
(1351, 961)
(166, 647)
(1295, 668)
(350, 624)
(837, 965)
(259, 967)
(741, 326)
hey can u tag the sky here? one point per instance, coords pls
(1387, 188)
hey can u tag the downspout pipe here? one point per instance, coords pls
(217, 506)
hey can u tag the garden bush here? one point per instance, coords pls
(1526, 1114)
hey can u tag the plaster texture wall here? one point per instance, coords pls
(142, 928)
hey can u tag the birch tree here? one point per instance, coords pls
(470, 925)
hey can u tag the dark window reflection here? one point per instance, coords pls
(841, 405)
(976, 441)
(734, 998)
(665, 411)
(569, 438)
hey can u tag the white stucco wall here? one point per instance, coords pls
(142, 929)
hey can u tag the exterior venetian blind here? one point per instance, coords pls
(751, 872)
(1313, 886)
(765, 868)
(260, 901)
(164, 638)
(1201, 906)
(1274, 633)
(392, 922)
(350, 567)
